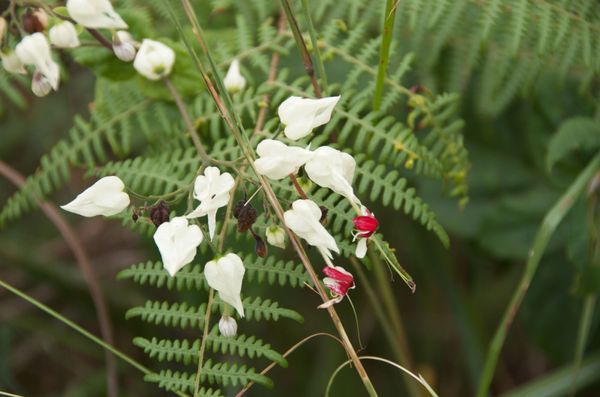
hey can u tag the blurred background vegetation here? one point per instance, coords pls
(516, 94)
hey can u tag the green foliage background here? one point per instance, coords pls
(508, 101)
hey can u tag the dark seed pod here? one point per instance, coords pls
(135, 215)
(159, 214)
(324, 212)
(238, 208)
(260, 247)
(35, 21)
(246, 216)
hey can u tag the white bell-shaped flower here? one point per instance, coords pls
(277, 160)
(64, 35)
(35, 50)
(332, 169)
(212, 190)
(124, 46)
(276, 236)
(105, 197)
(12, 64)
(301, 115)
(234, 81)
(154, 60)
(95, 14)
(40, 85)
(227, 326)
(177, 242)
(225, 275)
(304, 220)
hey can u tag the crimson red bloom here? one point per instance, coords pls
(339, 281)
(366, 224)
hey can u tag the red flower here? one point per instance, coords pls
(339, 281)
(366, 224)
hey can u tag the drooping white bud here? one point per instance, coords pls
(64, 35)
(124, 46)
(12, 63)
(154, 60)
(276, 236)
(40, 85)
(234, 81)
(227, 326)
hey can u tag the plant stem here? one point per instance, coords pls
(298, 187)
(87, 271)
(211, 295)
(304, 54)
(384, 50)
(547, 228)
(237, 131)
(315, 44)
(393, 315)
(585, 324)
(395, 339)
(76, 327)
(187, 121)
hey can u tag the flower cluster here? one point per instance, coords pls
(152, 59)
(326, 167)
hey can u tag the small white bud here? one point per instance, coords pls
(154, 60)
(64, 35)
(124, 46)
(234, 81)
(12, 63)
(40, 85)
(276, 236)
(227, 326)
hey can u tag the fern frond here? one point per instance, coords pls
(180, 381)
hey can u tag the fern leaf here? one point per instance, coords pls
(574, 134)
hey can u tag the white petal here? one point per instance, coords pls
(95, 14)
(105, 197)
(225, 275)
(277, 160)
(361, 248)
(323, 114)
(302, 115)
(177, 242)
(332, 169)
(303, 219)
(212, 223)
(35, 50)
(154, 60)
(64, 35)
(234, 81)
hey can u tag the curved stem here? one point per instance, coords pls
(418, 378)
(87, 271)
(315, 44)
(287, 353)
(211, 295)
(546, 230)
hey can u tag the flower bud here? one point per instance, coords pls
(64, 35)
(276, 236)
(3, 27)
(124, 46)
(234, 81)
(154, 60)
(159, 214)
(260, 247)
(12, 63)
(227, 326)
(35, 21)
(245, 215)
(40, 85)
(95, 14)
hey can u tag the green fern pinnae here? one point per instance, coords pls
(219, 373)
(9, 89)
(576, 133)
(183, 315)
(180, 381)
(186, 352)
(270, 270)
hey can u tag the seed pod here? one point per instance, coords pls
(35, 21)
(260, 247)
(324, 212)
(246, 216)
(159, 214)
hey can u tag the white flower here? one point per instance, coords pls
(105, 197)
(227, 326)
(276, 236)
(234, 81)
(95, 14)
(277, 160)
(225, 275)
(154, 60)
(35, 50)
(12, 63)
(332, 169)
(64, 35)
(40, 85)
(212, 190)
(124, 46)
(303, 219)
(177, 242)
(301, 115)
